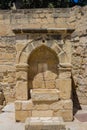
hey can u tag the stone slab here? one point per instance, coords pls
(49, 123)
(45, 95)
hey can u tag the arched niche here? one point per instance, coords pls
(43, 71)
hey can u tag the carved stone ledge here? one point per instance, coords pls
(22, 67)
(43, 30)
(65, 65)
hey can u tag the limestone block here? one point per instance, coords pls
(38, 83)
(11, 79)
(47, 113)
(67, 104)
(49, 75)
(18, 105)
(8, 56)
(44, 95)
(21, 38)
(50, 84)
(21, 75)
(28, 105)
(44, 123)
(21, 90)
(22, 115)
(56, 105)
(38, 76)
(22, 67)
(62, 104)
(24, 57)
(67, 115)
(17, 57)
(20, 46)
(67, 49)
(64, 86)
(62, 57)
(64, 74)
(41, 106)
(57, 113)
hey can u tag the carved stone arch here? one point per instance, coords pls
(23, 56)
(43, 46)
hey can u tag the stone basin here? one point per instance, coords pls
(44, 94)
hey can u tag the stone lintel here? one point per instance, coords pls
(22, 67)
(44, 30)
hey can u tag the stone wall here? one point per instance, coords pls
(7, 67)
(79, 52)
(75, 17)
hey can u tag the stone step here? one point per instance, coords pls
(44, 123)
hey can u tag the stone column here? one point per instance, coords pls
(64, 81)
(64, 85)
(22, 81)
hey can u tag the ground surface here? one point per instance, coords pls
(7, 121)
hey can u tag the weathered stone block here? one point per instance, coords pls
(62, 104)
(28, 105)
(24, 57)
(44, 95)
(38, 113)
(44, 123)
(18, 105)
(64, 86)
(50, 84)
(20, 46)
(42, 106)
(43, 84)
(67, 115)
(50, 75)
(22, 67)
(67, 104)
(65, 73)
(21, 75)
(22, 115)
(21, 90)
(37, 83)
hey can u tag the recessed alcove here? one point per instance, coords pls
(43, 70)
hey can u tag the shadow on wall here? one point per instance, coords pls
(76, 104)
